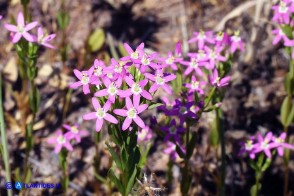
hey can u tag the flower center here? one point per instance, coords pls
(118, 69)
(170, 60)
(100, 113)
(195, 85)
(61, 139)
(217, 80)
(283, 7)
(145, 60)
(183, 110)
(112, 89)
(132, 113)
(201, 54)
(193, 63)
(201, 35)
(159, 80)
(264, 144)
(248, 145)
(212, 55)
(173, 130)
(85, 79)
(136, 89)
(98, 71)
(110, 75)
(279, 140)
(74, 129)
(21, 29)
(220, 36)
(135, 55)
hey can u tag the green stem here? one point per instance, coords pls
(4, 140)
(257, 178)
(210, 97)
(223, 151)
(286, 165)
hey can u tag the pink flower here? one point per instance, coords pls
(146, 62)
(202, 37)
(136, 55)
(173, 132)
(282, 14)
(144, 134)
(264, 144)
(200, 56)
(193, 65)
(74, 132)
(236, 42)
(131, 114)
(195, 86)
(248, 147)
(137, 89)
(214, 56)
(21, 30)
(217, 81)
(85, 78)
(221, 39)
(112, 89)
(170, 61)
(43, 39)
(279, 35)
(60, 141)
(98, 67)
(100, 114)
(280, 141)
(160, 80)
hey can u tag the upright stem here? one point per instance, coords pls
(286, 155)
(4, 140)
(223, 152)
(257, 178)
(286, 165)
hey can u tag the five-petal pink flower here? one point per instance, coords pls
(21, 30)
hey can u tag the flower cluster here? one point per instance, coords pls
(22, 30)
(202, 70)
(283, 15)
(124, 88)
(63, 140)
(266, 145)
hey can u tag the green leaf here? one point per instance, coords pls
(266, 164)
(131, 181)
(144, 153)
(214, 134)
(290, 118)
(115, 156)
(63, 20)
(96, 40)
(285, 110)
(287, 30)
(180, 152)
(289, 84)
(191, 145)
(116, 182)
(154, 105)
(122, 49)
(177, 83)
(253, 165)
(134, 159)
(210, 108)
